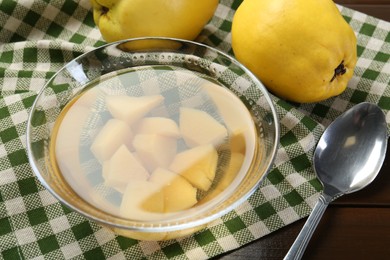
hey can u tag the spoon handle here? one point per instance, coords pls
(298, 248)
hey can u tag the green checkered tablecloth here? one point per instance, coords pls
(38, 37)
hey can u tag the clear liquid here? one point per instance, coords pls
(86, 114)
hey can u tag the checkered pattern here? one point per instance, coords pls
(38, 37)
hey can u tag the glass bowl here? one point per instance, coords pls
(175, 75)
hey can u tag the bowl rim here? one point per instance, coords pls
(170, 226)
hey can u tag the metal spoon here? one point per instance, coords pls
(348, 157)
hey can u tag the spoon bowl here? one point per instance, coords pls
(348, 157)
(351, 151)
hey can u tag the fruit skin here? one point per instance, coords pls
(294, 47)
(124, 19)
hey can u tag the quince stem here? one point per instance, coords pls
(340, 70)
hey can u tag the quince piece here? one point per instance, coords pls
(200, 128)
(198, 165)
(130, 109)
(239, 121)
(113, 134)
(179, 194)
(163, 176)
(142, 200)
(155, 150)
(158, 125)
(122, 168)
(233, 111)
(228, 176)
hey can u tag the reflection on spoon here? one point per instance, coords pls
(348, 157)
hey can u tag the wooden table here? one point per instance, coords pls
(355, 226)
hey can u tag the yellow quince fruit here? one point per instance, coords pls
(302, 50)
(123, 19)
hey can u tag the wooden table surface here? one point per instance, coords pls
(355, 226)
